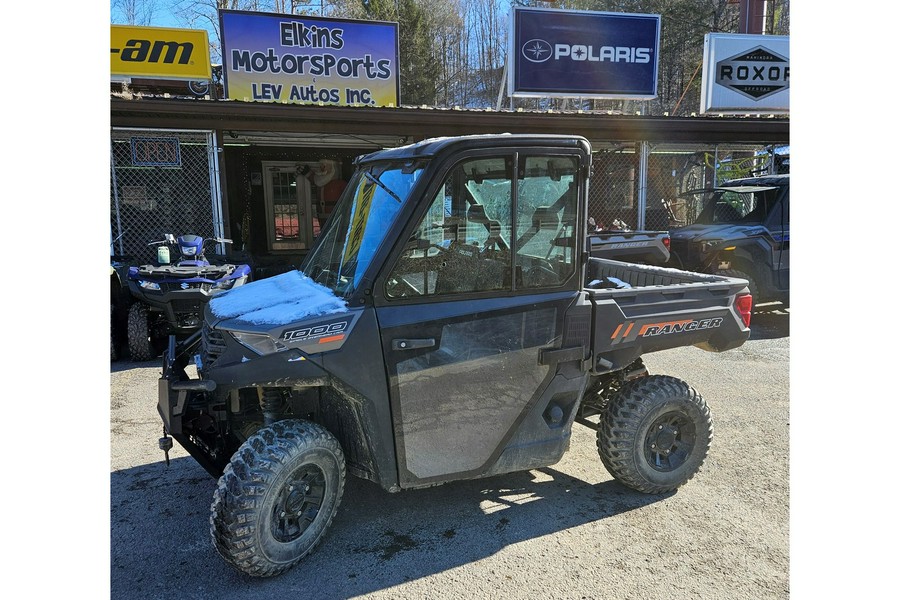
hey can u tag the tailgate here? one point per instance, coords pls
(640, 246)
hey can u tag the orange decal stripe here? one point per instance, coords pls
(616, 332)
(333, 338)
(627, 331)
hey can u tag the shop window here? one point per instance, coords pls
(290, 205)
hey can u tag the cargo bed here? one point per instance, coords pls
(660, 308)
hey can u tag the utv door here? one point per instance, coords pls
(466, 307)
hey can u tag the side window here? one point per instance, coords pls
(779, 216)
(546, 220)
(462, 244)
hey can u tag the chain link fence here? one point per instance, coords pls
(161, 182)
(670, 174)
(167, 182)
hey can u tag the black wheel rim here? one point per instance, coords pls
(298, 503)
(669, 442)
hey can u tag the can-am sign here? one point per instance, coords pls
(745, 73)
(568, 53)
(158, 52)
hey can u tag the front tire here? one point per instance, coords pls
(277, 497)
(140, 346)
(655, 434)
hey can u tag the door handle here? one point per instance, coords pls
(404, 344)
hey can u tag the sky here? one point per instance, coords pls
(163, 16)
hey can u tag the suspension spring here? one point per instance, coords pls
(272, 401)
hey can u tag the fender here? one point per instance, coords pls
(749, 250)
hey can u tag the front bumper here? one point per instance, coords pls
(174, 386)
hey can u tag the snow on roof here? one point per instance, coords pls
(277, 300)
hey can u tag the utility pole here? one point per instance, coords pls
(752, 16)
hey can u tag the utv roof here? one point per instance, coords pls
(745, 188)
(744, 185)
(761, 180)
(433, 146)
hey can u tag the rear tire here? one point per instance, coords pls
(140, 346)
(277, 497)
(751, 283)
(655, 434)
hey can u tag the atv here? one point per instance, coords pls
(168, 299)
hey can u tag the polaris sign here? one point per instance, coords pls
(568, 53)
(745, 74)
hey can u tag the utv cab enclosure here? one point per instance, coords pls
(449, 323)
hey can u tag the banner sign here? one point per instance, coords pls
(586, 54)
(309, 60)
(745, 74)
(159, 52)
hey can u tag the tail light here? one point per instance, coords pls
(667, 242)
(744, 304)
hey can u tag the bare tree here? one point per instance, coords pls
(487, 24)
(133, 12)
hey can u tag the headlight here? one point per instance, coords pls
(189, 250)
(148, 285)
(260, 343)
(225, 284)
(709, 245)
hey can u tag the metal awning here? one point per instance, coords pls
(274, 122)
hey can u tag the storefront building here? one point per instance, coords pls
(264, 169)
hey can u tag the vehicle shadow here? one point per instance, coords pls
(770, 321)
(161, 546)
(125, 364)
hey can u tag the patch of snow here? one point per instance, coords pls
(277, 300)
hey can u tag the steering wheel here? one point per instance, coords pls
(541, 276)
(325, 277)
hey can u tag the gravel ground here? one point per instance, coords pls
(567, 531)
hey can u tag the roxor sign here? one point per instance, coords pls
(568, 53)
(756, 74)
(745, 73)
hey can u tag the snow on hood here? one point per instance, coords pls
(277, 300)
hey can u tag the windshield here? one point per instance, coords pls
(361, 220)
(745, 204)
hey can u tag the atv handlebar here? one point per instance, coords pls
(172, 240)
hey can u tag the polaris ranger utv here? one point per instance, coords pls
(743, 230)
(448, 324)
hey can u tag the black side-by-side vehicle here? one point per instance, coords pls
(448, 324)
